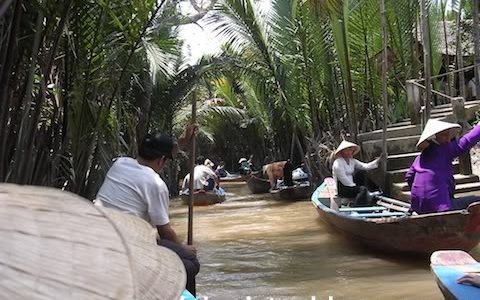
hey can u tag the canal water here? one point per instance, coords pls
(253, 246)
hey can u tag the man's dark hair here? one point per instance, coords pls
(155, 146)
(200, 160)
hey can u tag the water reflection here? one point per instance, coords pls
(254, 246)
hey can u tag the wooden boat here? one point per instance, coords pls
(234, 177)
(258, 185)
(203, 198)
(448, 267)
(388, 227)
(292, 193)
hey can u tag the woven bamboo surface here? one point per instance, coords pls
(57, 245)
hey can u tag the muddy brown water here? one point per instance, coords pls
(253, 246)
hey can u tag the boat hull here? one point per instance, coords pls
(294, 193)
(447, 267)
(416, 234)
(258, 185)
(203, 198)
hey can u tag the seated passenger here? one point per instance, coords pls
(244, 166)
(204, 179)
(275, 172)
(299, 174)
(287, 173)
(430, 176)
(343, 169)
(220, 171)
(250, 163)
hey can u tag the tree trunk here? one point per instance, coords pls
(7, 63)
(445, 34)
(476, 35)
(22, 134)
(426, 57)
(459, 62)
(4, 6)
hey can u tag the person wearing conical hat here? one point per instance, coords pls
(430, 176)
(343, 169)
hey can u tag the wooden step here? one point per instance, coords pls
(401, 161)
(404, 122)
(459, 179)
(459, 189)
(446, 109)
(472, 102)
(397, 176)
(398, 145)
(392, 132)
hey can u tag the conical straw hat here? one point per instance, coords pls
(57, 245)
(432, 128)
(346, 144)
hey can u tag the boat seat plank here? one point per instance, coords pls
(393, 201)
(393, 206)
(378, 215)
(362, 209)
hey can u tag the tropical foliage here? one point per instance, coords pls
(82, 80)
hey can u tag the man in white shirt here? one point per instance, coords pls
(204, 178)
(134, 186)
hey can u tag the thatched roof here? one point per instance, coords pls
(451, 35)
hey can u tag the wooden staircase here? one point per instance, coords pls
(402, 138)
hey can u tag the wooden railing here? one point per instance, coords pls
(419, 110)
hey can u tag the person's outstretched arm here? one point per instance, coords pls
(465, 143)
(185, 141)
(366, 166)
(472, 279)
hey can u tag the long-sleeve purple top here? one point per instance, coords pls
(430, 177)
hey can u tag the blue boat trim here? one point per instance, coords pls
(187, 296)
(448, 275)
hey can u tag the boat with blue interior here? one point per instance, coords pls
(389, 226)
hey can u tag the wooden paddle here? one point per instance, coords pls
(384, 155)
(192, 169)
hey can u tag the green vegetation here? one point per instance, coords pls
(82, 80)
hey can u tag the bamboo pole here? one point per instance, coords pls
(476, 35)
(192, 169)
(383, 17)
(426, 57)
(459, 54)
(445, 34)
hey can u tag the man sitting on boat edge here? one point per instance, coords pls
(134, 186)
(430, 176)
(350, 182)
(204, 177)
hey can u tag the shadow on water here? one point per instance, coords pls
(254, 246)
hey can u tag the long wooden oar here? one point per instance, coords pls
(383, 17)
(192, 169)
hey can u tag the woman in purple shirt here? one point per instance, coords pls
(430, 177)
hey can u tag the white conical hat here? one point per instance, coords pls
(346, 144)
(432, 128)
